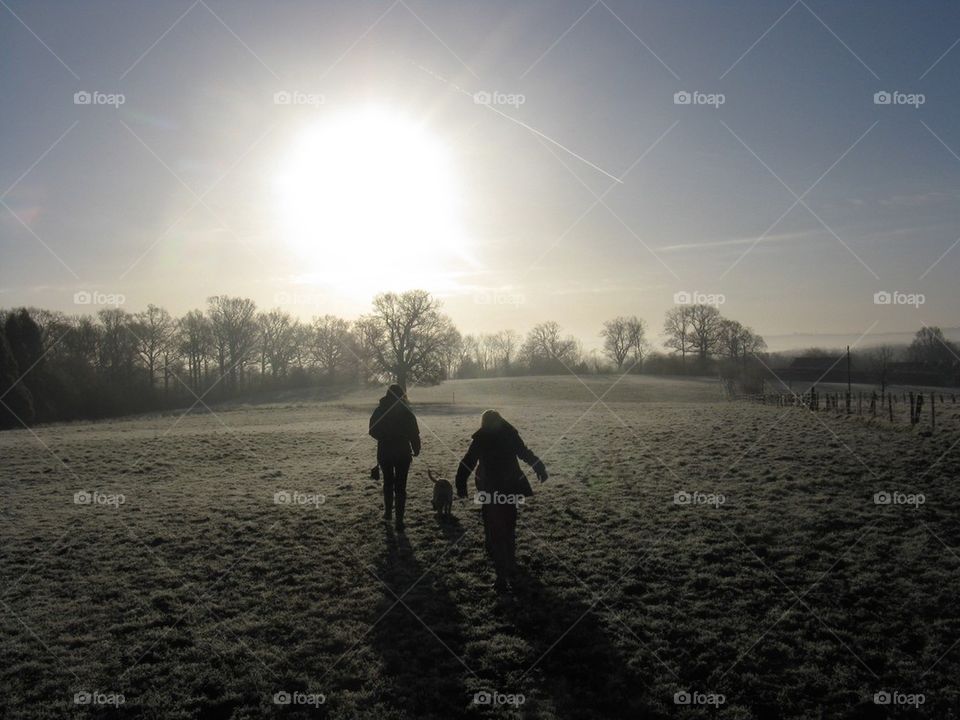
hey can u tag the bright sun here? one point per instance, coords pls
(368, 201)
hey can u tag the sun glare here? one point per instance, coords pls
(368, 199)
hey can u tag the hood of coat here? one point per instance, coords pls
(505, 431)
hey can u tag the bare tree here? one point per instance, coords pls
(738, 342)
(705, 329)
(330, 343)
(930, 347)
(623, 338)
(409, 338)
(506, 343)
(676, 327)
(545, 349)
(616, 342)
(118, 348)
(276, 331)
(235, 333)
(153, 331)
(880, 358)
(196, 344)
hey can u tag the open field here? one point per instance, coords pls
(200, 596)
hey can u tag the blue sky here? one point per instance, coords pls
(169, 197)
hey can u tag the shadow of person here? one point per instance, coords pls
(450, 526)
(420, 640)
(572, 659)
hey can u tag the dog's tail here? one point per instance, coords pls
(430, 475)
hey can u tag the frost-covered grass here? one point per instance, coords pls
(200, 596)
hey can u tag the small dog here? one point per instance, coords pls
(442, 495)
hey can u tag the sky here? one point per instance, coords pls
(525, 161)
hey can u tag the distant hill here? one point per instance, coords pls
(838, 341)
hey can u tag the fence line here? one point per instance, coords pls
(915, 404)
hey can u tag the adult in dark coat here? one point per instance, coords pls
(394, 426)
(501, 486)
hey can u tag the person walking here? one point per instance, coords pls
(394, 426)
(501, 486)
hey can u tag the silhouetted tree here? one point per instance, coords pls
(676, 328)
(546, 351)
(16, 403)
(233, 321)
(153, 331)
(931, 348)
(330, 343)
(408, 337)
(705, 330)
(623, 338)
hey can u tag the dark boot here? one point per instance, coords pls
(387, 505)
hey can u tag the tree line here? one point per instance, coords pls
(55, 366)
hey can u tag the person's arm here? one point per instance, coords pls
(414, 434)
(527, 455)
(376, 429)
(466, 467)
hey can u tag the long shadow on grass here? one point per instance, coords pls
(572, 660)
(420, 640)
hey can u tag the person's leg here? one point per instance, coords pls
(400, 488)
(510, 540)
(495, 524)
(388, 483)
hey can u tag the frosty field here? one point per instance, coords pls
(773, 585)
